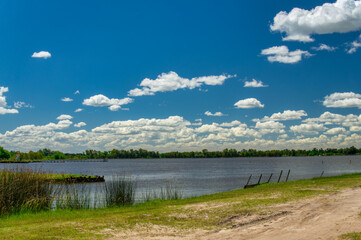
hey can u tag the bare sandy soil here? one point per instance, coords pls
(322, 217)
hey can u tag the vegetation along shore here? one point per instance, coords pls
(196, 217)
(47, 154)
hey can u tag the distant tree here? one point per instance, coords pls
(4, 154)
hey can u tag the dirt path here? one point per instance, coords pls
(323, 217)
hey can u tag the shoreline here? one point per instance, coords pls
(214, 216)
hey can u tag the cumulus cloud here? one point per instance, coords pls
(350, 120)
(285, 116)
(282, 54)
(336, 130)
(114, 108)
(103, 101)
(78, 110)
(249, 103)
(3, 104)
(80, 124)
(64, 117)
(254, 83)
(177, 134)
(270, 127)
(343, 100)
(171, 81)
(41, 54)
(7, 111)
(324, 47)
(66, 99)
(355, 129)
(216, 114)
(299, 24)
(308, 128)
(354, 45)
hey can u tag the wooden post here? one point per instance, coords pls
(288, 174)
(259, 180)
(269, 179)
(322, 173)
(279, 178)
(249, 179)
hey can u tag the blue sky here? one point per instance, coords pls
(190, 61)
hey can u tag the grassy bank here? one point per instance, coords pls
(204, 212)
(73, 178)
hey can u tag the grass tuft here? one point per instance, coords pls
(120, 191)
(23, 190)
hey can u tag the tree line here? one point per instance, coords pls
(47, 154)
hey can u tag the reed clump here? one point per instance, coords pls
(74, 196)
(23, 190)
(168, 192)
(120, 191)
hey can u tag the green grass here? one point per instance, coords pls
(351, 236)
(58, 178)
(204, 212)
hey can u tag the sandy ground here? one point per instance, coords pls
(323, 217)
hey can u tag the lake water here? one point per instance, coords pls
(204, 176)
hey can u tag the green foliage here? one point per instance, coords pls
(24, 190)
(47, 154)
(4, 154)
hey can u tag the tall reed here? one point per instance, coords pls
(168, 192)
(24, 189)
(74, 196)
(120, 191)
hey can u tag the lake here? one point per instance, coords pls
(196, 177)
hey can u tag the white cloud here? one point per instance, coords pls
(308, 128)
(324, 47)
(355, 129)
(270, 127)
(171, 81)
(66, 99)
(352, 121)
(64, 117)
(3, 98)
(285, 116)
(335, 131)
(216, 114)
(249, 103)
(102, 101)
(7, 111)
(41, 54)
(254, 83)
(328, 118)
(343, 100)
(80, 124)
(354, 45)
(283, 55)
(79, 110)
(76, 92)
(114, 108)
(20, 104)
(177, 134)
(3, 104)
(299, 24)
